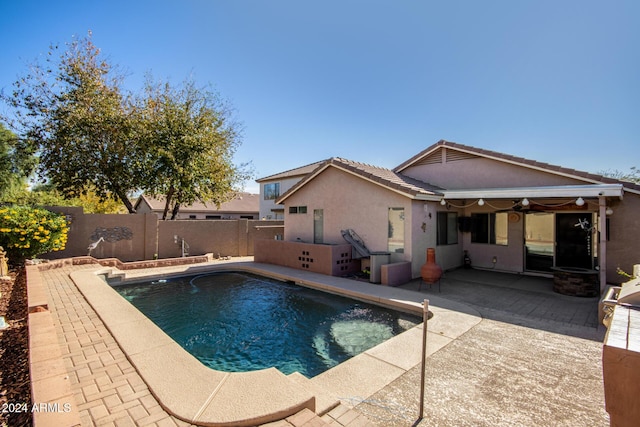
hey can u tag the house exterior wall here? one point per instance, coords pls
(509, 257)
(348, 202)
(351, 201)
(481, 172)
(623, 246)
(267, 207)
(424, 236)
(143, 208)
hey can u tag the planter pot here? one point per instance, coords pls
(430, 271)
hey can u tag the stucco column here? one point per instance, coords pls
(602, 247)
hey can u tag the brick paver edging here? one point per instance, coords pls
(50, 381)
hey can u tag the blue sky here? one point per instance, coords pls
(375, 81)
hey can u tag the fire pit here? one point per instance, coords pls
(574, 281)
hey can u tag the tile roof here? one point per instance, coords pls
(585, 176)
(242, 202)
(301, 171)
(382, 176)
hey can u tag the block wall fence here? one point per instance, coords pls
(136, 237)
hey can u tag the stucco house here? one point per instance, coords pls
(506, 213)
(273, 186)
(242, 206)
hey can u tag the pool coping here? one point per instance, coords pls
(197, 394)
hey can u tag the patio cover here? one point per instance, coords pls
(592, 190)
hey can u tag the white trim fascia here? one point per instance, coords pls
(595, 190)
(631, 190)
(428, 197)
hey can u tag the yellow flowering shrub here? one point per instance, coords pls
(27, 232)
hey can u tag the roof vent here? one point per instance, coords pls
(454, 156)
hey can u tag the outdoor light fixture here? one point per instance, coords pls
(525, 202)
(580, 201)
(443, 202)
(609, 211)
(480, 202)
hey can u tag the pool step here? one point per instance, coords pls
(325, 402)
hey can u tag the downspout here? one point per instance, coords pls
(602, 247)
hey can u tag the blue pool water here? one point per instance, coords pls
(238, 322)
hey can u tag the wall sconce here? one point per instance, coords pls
(443, 202)
(525, 202)
(481, 202)
(609, 211)
(580, 201)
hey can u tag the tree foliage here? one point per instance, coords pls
(632, 176)
(92, 137)
(188, 139)
(71, 110)
(16, 163)
(47, 195)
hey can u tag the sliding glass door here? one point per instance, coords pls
(558, 239)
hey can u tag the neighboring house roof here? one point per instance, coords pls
(384, 177)
(291, 173)
(242, 202)
(432, 154)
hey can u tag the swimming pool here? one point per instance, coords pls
(238, 322)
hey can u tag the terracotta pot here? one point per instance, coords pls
(430, 271)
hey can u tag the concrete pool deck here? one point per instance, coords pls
(484, 376)
(95, 325)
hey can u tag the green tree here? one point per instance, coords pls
(16, 164)
(92, 137)
(188, 137)
(72, 111)
(47, 195)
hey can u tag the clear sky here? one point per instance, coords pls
(375, 81)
